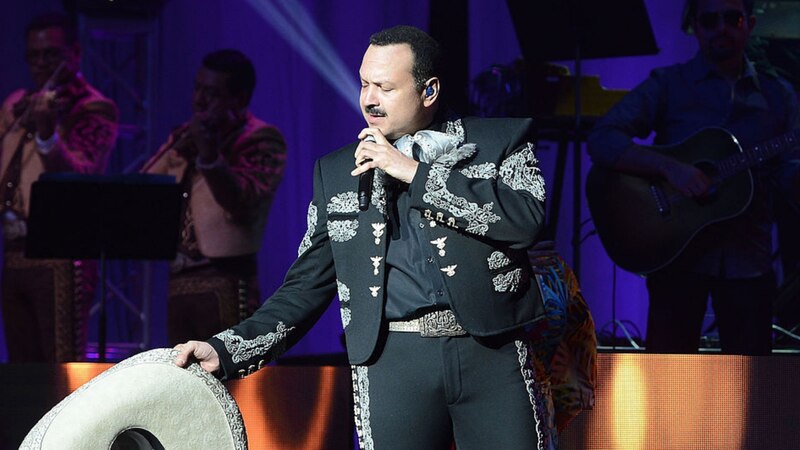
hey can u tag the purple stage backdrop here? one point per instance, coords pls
(315, 105)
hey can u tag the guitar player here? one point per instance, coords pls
(730, 261)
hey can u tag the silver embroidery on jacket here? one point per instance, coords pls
(478, 217)
(311, 220)
(507, 282)
(521, 173)
(344, 302)
(342, 230)
(242, 350)
(539, 394)
(377, 231)
(440, 245)
(485, 171)
(361, 407)
(379, 190)
(449, 270)
(346, 202)
(497, 260)
(376, 264)
(456, 129)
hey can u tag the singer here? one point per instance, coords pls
(65, 125)
(230, 164)
(433, 278)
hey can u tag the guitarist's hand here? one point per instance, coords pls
(687, 179)
(643, 161)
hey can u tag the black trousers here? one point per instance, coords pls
(742, 307)
(426, 393)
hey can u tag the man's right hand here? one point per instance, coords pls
(380, 153)
(200, 352)
(197, 138)
(687, 179)
(44, 113)
(644, 161)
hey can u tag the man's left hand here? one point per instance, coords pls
(381, 154)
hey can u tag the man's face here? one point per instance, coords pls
(212, 96)
(722, 28)
(389, 100)
(45, 50)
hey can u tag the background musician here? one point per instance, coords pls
(64, 125)
(730, 260)
(230, 164)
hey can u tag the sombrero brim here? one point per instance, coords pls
(180, 408)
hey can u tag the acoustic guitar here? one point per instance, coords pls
(644, 223)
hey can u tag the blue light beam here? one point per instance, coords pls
(299, 30)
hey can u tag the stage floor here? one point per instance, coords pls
(643, 402)
(684, 402)
(283, 407)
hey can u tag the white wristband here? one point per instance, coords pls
(45, 146)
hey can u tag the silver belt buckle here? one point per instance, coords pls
(439, 324)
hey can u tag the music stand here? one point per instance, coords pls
(75, 216)
(557, 30)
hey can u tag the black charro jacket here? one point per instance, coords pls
(485, 200)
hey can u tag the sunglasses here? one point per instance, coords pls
(731, 17)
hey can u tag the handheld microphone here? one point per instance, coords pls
(365, 183)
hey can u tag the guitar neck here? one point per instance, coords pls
(759, 153)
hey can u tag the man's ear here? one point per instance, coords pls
(430, 93)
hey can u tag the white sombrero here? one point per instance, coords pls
(144, 402)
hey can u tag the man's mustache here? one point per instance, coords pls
(374, 111)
